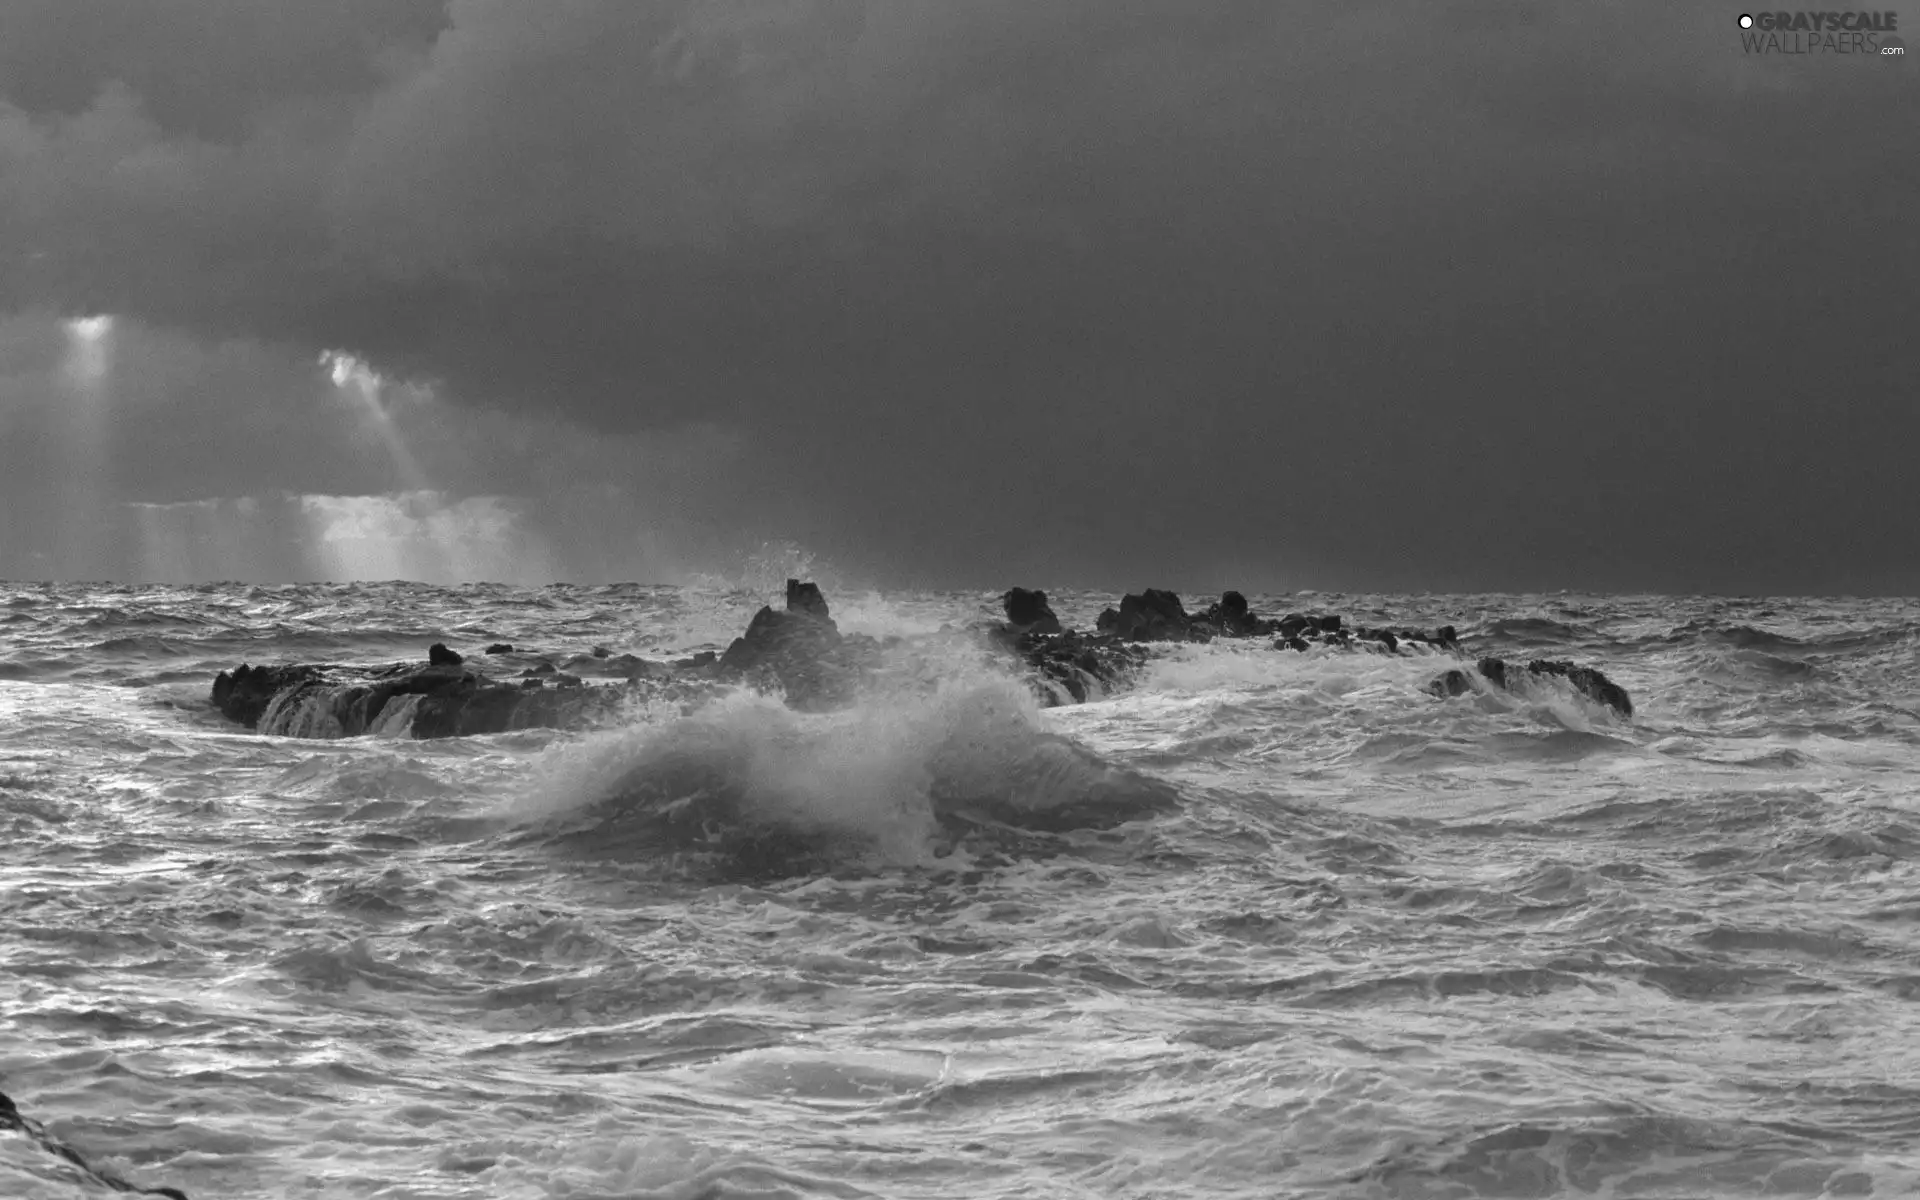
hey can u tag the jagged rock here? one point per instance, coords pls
(1589, 681)
(14, 1121)
(1230, 617)
(500, 648)
(1080, 665)
(1300, 631)
(806, 598)
(1300, 625)
(1151, 616)
(1029, 612)
(801, 650)
(439, 656)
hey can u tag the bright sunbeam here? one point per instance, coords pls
(89, 349)
(83, 446)
(354, 376)
(91, 329)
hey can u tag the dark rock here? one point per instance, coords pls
(1232, 618)
(778, 634)
(13, 1120)
(1453, 683)
(801, 650)
(1029, 611)
(1494, 669)
(1586, 680)
(1078, 665)
(601, 652)
(1151, 616)
(315, 701)
(617, 666)
(244, 693)
(500, 648)
(806, 598)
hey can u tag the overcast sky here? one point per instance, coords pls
(1394, 294)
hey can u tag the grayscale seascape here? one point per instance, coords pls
(1387, 945)
(959, 600)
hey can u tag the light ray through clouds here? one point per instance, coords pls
(354, 378)
(84, 451)
(135, 451)
(416, 530)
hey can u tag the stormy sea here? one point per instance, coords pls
(1343, 935)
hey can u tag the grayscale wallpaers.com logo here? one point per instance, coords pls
(1869, 34)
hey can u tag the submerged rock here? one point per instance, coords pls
(1078, 666)
(1588, 681)
(244, 693)
(403, 700)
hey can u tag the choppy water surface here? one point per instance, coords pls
(1388, 945)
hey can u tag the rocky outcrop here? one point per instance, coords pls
(1029, 612)
(1300, 631)
(1230, 617)
(800, 652)
(1588, 681)
(806, 600)
(405, 700)
(12, 1120)
(1158, 616)
(1150, 616)
(1078, 667)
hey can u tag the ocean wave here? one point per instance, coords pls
(768, 789)
(1535, 630)
(1623, 1153)
(1850, 639)
(142, 646)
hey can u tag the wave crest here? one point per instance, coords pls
(896, 778)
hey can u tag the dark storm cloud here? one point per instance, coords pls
(1411, 295)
